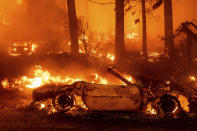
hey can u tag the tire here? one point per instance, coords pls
(63, 102)
(169, 105)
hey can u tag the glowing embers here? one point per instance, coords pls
(22, 48)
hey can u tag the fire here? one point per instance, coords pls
(110, 56)
(33, 48)
(192, 78)
(129, 78)
(184, 103)
(132, 36)
(5, 83)
(154, 54)
(42, 106)
(168, 82)
(150, 109)
(84, 37)
(42, 77)
(80, 51)
(99, 79)
(52, 110)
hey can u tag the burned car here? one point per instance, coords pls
(21, 48)
(130, 97)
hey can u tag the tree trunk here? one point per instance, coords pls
(73, 27)
(168, 20)
(189, 48)
(144, 38)
(119, 39)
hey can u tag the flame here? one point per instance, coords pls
(5, 83)
(184, 103)
(33, 48)
(129, 78)
(192, 78)
(110, 56)
(42, 106)
(84, 37)
(42, 77)
(52, 110)
(98, 79)
(150, 109)
(168, 82)
(154, 54)
(132, 36)
(80, 51)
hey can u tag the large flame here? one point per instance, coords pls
(43, 77)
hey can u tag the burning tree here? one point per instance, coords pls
(86, 38)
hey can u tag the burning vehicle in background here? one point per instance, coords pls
(154, 97)
(22, 48)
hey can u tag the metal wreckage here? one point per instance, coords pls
(146, 95)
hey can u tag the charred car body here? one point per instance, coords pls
(21, 48)
(130, 97)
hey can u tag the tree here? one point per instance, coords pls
(168, 25)
(144, 37)
(73, 28)
(168, 21)
(119, 38)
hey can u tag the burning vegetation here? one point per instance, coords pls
(64, 55)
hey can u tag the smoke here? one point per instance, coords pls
(24, 20)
